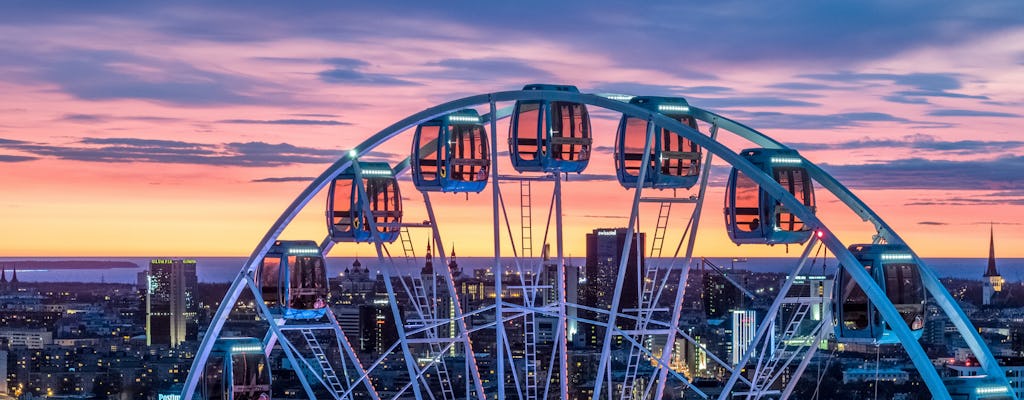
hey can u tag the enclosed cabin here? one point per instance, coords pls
(450, 154)
(894, 269)
(550, 136)
(293, 280)
(237, 369)
(674, 159)
(353, 216)
(752, 216)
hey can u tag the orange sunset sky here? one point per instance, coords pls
(185, 129)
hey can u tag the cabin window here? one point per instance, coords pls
(469, 148)
(855, 304)
(797, 182)
(214, 378)
(905, 291)
(679, 155)
(307, 285)
(570, 132)
(527, 132)
(429, 159)
(249, 373)
(270, 279)
(383, 198)
(342, 212)
(747, 206)
(633, 145)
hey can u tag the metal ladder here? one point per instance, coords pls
(643, 316)
(530, 345)
(330, 376)
(407, 248)
(763, 375)
(427, 313)
(526, 218)
(661, 229)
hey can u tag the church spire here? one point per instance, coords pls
(428, 266)
(453, 265)
(14, 276)
(3, 274)
(991, 270)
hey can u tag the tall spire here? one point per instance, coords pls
(991, 270)
(453, 264)
(14, 276)
(428, 266)
(3, 274)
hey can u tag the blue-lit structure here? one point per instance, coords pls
(755, 216)
(293, 279)
(894, 269)
(450, 154)
(433, 328)
(237, 369)
(674, 160)
(366, 195)
(550, 135)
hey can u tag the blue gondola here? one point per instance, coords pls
(674, 159)
(754, 216)
(450, 154)
(550, 136)
(237, 369)
(893, 268)
(347, 217)
(293, 279)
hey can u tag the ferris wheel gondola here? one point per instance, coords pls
(892, 266)
(550, 136)
(450, 154)
(236, 370)
(752, 216)
(349, 212)
(293, 279)
(674, 159)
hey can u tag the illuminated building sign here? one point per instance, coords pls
(169, 261)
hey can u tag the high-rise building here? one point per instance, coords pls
(744, 328)
(171, 304)
(604, 253)
(993, 282)
(3, 372)
(719, 296)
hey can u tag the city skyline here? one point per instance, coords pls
(190, 136)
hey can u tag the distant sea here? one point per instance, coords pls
(224, 269)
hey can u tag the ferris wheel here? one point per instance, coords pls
(530, 332)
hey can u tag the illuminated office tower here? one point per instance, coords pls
(604, 252)
(171, 305)
(744, 327)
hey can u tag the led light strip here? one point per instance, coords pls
(463, 118)
(673, 107)
(786, 160)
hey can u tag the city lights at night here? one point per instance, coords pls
(577, 200)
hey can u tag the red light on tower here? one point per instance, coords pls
(820, 233)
